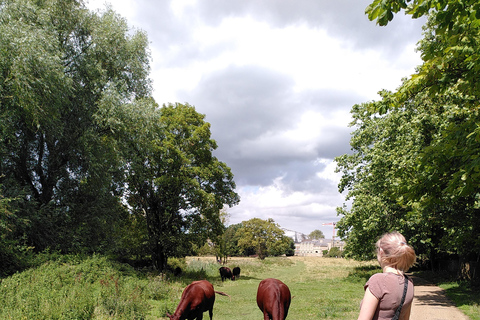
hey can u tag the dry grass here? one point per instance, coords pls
(318, 268)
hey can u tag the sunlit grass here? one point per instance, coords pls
(72, 287)
(325, 288)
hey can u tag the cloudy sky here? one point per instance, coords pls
(276, 80)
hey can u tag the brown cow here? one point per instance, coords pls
(197, 298)
(273, 299)
(226, 273)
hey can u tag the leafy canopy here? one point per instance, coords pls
(414, 166)
(265, 237)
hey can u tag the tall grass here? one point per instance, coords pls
(91, 288)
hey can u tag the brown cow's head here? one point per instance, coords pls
(172, 317)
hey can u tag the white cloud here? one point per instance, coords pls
(276, 80)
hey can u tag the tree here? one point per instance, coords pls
(415, 161)
(263, 236)
(173, 179)
(316, 234)
(291, 248)
(334, 252)
(11, 246)
(230, 238)
(57, 62)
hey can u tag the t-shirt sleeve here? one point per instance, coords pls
(376, 286)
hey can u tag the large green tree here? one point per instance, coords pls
(263, 237)
(57, 61)
(173, 179)
(415, 161)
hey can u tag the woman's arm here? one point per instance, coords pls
(369, 306)
(405, 315)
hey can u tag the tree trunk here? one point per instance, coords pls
(159, 258)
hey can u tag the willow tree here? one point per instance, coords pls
(57, 60)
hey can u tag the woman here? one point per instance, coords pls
(384, 291)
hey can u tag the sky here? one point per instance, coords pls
(276, 79)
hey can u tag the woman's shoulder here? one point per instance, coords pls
(378, 276)
(383, 276)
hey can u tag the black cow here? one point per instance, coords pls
(226, 273)
(236, 272)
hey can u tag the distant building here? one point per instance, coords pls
(315, 248)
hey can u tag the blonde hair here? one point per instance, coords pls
(393, 251)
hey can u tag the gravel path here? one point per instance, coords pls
(430, 303)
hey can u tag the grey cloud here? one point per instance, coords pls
(250, 107)
(244, 102)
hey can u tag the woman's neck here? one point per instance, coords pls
(392, 270)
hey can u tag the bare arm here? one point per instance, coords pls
(405, 315)
(369, 305)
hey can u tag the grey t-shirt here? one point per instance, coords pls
(388, 289)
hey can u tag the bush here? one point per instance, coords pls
(335, 252)
(75, 288)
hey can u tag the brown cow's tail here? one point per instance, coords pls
(223, 294)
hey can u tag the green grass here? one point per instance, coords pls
(323, 288)
(71, 287)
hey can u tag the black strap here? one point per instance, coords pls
(397, 313)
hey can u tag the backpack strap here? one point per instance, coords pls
(397, 312)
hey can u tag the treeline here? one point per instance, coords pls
(416, 161)
(88, 161)
(255, 237)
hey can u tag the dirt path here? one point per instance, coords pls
(430, 303)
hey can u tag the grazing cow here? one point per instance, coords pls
(273, 299)
(197, 298)
(177, 271)
(226, 273)
(236, 272)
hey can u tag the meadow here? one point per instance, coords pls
(93, 287)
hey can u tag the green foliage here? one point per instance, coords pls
(75, 288)
(231, 240)
(57, 62)
(206, 250)
(291, 249)
(80, 134)
(263, 236)
(316, 234)
(335, 252)
(174, 181)
(464, 294)
(415, 163)
(12, 248)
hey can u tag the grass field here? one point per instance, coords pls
(71, 287)
(322, 288)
